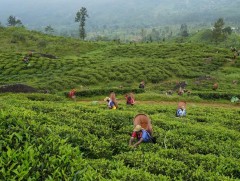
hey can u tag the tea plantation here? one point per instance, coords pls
(50, 137)
(56, 139)
(87, 65)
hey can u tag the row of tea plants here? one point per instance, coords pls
(56, 139)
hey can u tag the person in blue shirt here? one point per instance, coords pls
(181, 112)
(110, 103)
(141, 135)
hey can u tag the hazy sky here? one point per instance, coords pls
(117, 12)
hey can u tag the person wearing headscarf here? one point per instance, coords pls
(181, 111)
(141, 135)
(110, 103)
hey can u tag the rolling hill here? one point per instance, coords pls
(46, 136)
(82, 64)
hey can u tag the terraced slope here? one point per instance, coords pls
(48, 137)
(101, 64)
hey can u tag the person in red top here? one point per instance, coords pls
(130, 99)
(141, 135)
(72, 94)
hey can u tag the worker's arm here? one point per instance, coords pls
(136, 144)
(184, 112)
(131, 141)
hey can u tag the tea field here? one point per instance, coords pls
(97, 65)
(52, 138)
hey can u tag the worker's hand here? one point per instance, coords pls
(133, 146)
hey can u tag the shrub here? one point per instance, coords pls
(95, 92)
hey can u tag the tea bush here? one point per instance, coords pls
(94, 92)
(98, 64)
(49, 137)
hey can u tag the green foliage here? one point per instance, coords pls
(47, 137)
(49, 29)
(13, 21)
(215, 95)
(97, 65)
(60, 140)
(227, 30)
(95, 92)
(217, 33)
(18, 37)
(184, 30)
(44, 97)
(42, 44)
(206, 35)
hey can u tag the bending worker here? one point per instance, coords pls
(110, 103)
(130, 99)
(141, 135)
(181, 111)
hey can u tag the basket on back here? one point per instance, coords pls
(144, 121)
(215, 86)
(113, 98)
(181, 103)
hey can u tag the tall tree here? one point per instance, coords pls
(143, 34)
(81, 18)
(13, 21)
(155, 35)
(49, 29)
(184, 30)
(217, 32)
(227, 30)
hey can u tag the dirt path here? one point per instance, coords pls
(189, 104)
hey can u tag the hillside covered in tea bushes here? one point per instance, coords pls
(46, 136)
(87, 65)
